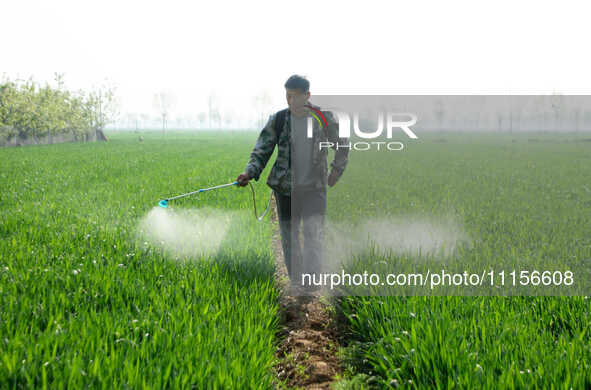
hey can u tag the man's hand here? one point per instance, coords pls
(243, 179)
(332, 179)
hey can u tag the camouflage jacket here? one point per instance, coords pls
(280, 177)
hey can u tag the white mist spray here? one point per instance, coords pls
(185, 233)
(408, 235)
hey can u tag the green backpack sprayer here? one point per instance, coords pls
(164, 202)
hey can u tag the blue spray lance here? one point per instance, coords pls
(164, 202)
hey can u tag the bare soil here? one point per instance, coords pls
(309, 342)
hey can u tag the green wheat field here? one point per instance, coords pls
(87, 301)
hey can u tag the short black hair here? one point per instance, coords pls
(298, 82)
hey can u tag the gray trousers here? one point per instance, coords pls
(304, 211)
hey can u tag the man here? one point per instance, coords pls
(300, 174)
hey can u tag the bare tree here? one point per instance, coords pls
(214, 111)
(557, 107)
(439, 113)
(202, 118)
(262, 103)
(164, 102)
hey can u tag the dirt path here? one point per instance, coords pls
(308, 350)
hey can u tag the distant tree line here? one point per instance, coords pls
(29, 111)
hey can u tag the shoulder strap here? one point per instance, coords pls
(280, 121)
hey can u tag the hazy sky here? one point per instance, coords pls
(239, 49)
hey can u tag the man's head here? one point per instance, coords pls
(297, 93)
